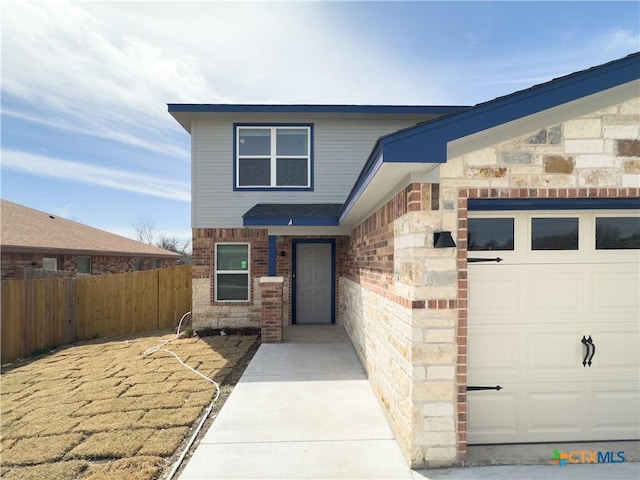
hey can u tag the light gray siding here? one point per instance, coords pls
(341, 145)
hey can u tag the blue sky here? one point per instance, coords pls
(85, 129)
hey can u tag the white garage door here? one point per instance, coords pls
(565, 293)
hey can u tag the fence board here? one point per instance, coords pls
(37, 314)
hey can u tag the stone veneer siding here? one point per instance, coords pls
(17, 265)
(404, 303)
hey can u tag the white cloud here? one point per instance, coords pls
(90, 174)
(156, 145)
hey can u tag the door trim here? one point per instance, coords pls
(294, 252)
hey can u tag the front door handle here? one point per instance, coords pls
(593, 350)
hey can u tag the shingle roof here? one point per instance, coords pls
(293, 214)
(27, 230)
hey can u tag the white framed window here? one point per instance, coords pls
(617, 232)
(50, 263)
(84, 265)
(232, 272)
(273, 157)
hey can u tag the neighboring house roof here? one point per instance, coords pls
(183, 112)
(427, 143)
(27, 230)
(295, 214)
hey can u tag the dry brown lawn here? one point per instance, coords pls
(101, 410)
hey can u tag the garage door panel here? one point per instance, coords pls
(495, 293)
(616, 350)
(551, 353)
(615, 409)
(555, 412)
(554, 294)
(494, 412)
(492, 352)
(616, 291)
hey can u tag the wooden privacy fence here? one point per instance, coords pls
(37, 314)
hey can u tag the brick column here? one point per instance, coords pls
(271, 321)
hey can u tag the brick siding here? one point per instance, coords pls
(21, 265)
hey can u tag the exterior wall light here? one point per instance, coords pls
(443, 240)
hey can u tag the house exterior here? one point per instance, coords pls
(463, 249)
(35, 244)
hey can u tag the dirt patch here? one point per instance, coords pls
(104, 409)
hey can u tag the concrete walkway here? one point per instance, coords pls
(300, 411)
(305, 410)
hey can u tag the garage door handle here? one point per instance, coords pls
(474, 389)
(586, 344)
(476, 260)
(593, 350)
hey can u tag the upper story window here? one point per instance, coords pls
(276, 157)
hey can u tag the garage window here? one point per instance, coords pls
(490, 234)
(554, 233)
(617, 233)
(232, 272)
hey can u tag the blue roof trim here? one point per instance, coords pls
(427, 142)
(502, 204)
(266, 108)
(290, 221)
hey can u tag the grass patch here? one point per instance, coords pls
(34, 450)
(52, 426)
(163, 443)
(138, 468)
(114, 421)
(170, 417)
(149, 389)
(116, 444)
(50, 471)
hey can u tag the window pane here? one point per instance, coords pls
(49, 263)
(254, 141)
(84, 265)
(233, 257)
(233, 286)
(554, 233)
(254, 172)
(292, 172)
(291, 141)
(490, 234)
(617, 233)
(137, 265)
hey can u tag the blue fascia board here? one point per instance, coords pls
(290, 221)
(371, 167)
(427, 142)
(504, 204)
(271, 108)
